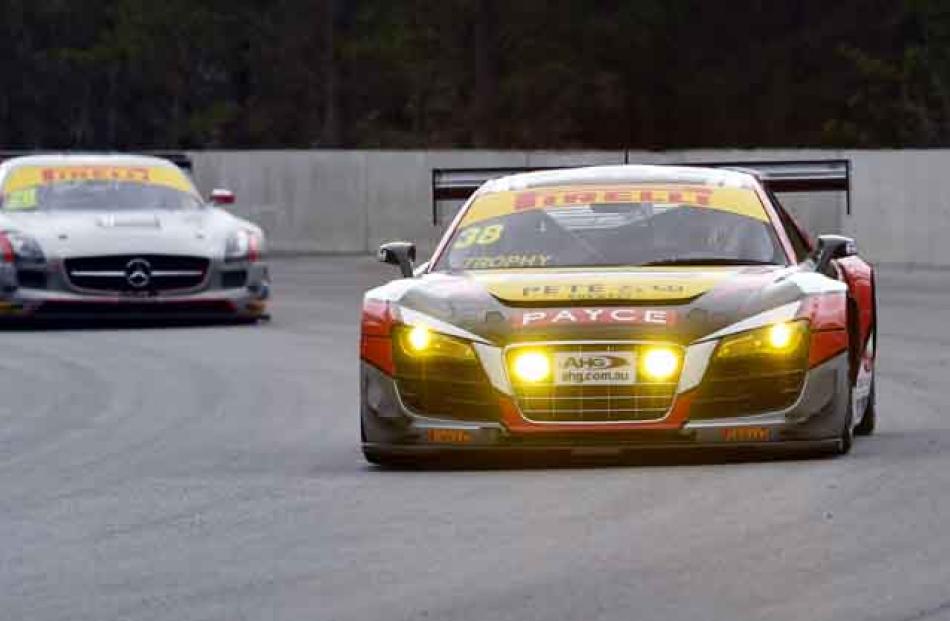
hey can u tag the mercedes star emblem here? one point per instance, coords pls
(138, 273)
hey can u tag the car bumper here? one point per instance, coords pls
(58, 302)
(815, 421)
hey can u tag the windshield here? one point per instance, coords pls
(616, 226)
(97, 188)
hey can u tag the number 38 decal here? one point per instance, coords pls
(483, 236)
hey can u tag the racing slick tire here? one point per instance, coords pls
(846, 438)
(869, 420)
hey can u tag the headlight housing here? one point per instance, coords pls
(20, 248)
(779, 340)
(244, 245)
(439, 376)
(755, 371)
(421, 343)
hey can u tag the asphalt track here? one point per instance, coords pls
(188, 473)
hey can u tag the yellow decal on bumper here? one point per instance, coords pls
(746, 434)
(629, 285)
(449, 436)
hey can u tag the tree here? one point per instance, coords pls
(472, 73)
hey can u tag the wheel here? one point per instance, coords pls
(846, 439)
(869, 418)
(868, 422)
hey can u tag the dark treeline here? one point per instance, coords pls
(473, 73)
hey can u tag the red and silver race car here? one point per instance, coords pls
(619, 308)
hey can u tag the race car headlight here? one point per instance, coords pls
(779, 339)
(659, 363)
(531, 366)
(18, 247)
(421, 342)
(243, 245)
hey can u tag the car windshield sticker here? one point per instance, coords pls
(27, 177)
(740, 201)
(506, 261)
(20, 200)
(482, 236)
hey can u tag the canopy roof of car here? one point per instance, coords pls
(182, 160)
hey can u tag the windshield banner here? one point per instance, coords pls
(740, 201)
(27, 177)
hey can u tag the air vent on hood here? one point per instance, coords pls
(134, 221)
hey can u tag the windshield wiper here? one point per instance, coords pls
(707, 261)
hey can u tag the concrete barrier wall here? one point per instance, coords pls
(351, 201)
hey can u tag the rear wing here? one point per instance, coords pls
(457, 184)
(180, 159)
(796, 176)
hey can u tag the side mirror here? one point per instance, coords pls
(220, 196)
(420, 269)
(831, 247)
(402, 254)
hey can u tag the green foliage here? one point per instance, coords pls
(473, 73)
(903, 97)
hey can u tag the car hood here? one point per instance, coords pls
(90, 233)
(669, 304)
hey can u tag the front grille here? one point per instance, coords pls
(446, 389)
(553, 403)
(115, 273)
(749, 387)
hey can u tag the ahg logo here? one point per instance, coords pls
(593, 362)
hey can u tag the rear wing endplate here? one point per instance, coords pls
(179, 159)
(776, 176)
(796, 176)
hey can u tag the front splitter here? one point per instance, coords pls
(429, 451)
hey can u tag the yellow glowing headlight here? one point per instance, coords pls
(780, 336)
(531, 366)
(422, 342)
(659, 363)
(419, 338)
(777, 339)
